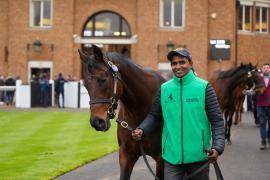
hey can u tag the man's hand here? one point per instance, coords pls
(137, 134)
(212, 156)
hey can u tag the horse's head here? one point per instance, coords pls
(101, 79)
(253, 81)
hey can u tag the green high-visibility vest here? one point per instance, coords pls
(186, 131)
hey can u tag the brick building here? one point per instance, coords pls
(43, 35)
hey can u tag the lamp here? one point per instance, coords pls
(37, 45)
(170, 45)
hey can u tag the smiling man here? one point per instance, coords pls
(192, 121)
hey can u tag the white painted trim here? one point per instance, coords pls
(79, 40)
(39, 64)
(172, 14)
(246, 3)
(262, 3)
(164, 66)
(183, 13)
(267, 20)
(258, 4)
(161, 14)
(244, 18)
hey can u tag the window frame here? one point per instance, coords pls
(121, 26)
(244, 7)
(31, 14)
(260, 6)
(161, 17)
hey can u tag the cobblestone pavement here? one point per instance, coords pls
(241, 161)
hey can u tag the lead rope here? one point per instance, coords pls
(125, 125)
(219, 176)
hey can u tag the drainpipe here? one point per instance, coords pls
(236, 33)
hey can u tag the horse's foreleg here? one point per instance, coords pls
(159, 167)
(226, 124)
(229, 142)
(127, 162)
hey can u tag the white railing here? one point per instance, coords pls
(7, 88)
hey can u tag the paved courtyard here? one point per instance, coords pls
(241, 161)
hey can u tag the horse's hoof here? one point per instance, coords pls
(229, 143)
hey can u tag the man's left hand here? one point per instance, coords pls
(212, 156)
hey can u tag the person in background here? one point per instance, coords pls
(56, 95)
(2, 93)
(263, 106)
(44, 87)
(10, 93)
(60, 89)
(188, 108)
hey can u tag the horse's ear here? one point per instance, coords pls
(83, 56)
(97, 52)
(250, 65)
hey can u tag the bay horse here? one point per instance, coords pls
(110, 77)
(229, 86)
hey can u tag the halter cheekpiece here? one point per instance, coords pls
(113, 100)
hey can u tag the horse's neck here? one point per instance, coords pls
(135, 86)
(136, 90)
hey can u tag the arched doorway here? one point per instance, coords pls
(108, 29)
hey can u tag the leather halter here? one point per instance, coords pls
(113, 100)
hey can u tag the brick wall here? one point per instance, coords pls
(3, 37)
(222, 27)
(21, 34)
(143, 18)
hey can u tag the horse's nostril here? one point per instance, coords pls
(98, 124)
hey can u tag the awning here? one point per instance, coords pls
(79, 40)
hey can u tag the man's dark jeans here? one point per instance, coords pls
(178, 172)
(263, 113)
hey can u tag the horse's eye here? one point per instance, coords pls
(102, 80)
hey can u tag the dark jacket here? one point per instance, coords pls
(10, 82)
(60, 84)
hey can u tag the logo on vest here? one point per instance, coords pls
(170, 99)
(192, 100)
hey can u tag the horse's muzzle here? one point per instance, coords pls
(100, 124)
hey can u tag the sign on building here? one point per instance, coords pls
(220, 49)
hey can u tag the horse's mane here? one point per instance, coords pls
(235, 77)
(235, 72)
(124, 60)
(119, 58)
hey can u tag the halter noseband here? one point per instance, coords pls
(113, 100)
(250, 76)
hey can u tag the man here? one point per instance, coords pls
(190, 113)
(10, 93)
(44, 90)
(60, 89)
(2, 93)
(263, 106)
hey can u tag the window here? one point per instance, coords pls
(253, 16)
(41, 13)
(106, 24)
(261, 19)
(245, 18)
(171, 13)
